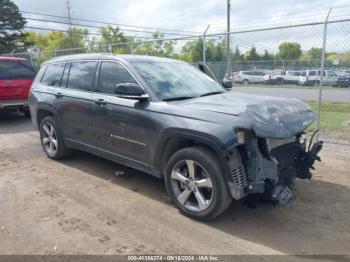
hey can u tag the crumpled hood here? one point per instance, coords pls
(272, 117)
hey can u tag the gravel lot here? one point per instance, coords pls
(308, 94)
(80, 206)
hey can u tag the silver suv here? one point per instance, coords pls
(313, 77)
(250, 77)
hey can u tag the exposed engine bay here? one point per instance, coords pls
(270, 166)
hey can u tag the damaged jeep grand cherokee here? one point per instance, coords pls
(167, 118)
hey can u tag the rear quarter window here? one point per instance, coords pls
(16, 70)
(53, 75)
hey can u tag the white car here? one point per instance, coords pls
(292, 77)
(312, 77)
(274, 77)
(250, 77)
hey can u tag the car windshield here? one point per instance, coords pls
(177, 80)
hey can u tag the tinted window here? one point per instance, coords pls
(312, 73)
(53, 75)
(111, 75)
(81, 75)
(16, 70)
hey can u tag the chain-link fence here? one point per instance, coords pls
(308, 60)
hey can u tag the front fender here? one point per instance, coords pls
(218, 146)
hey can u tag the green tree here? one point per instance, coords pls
(49, 45)
(192, 51)
(217, 53)
(159, 47)
(75, 38)
(313, 53)
(267, 56)
(237, 56)
(120, 44)
(252, 55)
(11, 25)
(289, 51)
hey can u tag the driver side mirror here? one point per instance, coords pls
(131, 91)
(227, 83)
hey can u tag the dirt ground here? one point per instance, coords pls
(80, 206)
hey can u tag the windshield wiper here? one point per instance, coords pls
(212, 93)
(177, 98)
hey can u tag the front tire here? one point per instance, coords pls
(195, 183)
(51, 139)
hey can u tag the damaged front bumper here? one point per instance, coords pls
(271, 166)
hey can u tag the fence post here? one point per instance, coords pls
(204, 43)
(323, 57)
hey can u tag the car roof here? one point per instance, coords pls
(100, 56)
(12, 58)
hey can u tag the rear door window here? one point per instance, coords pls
(53, 75)
(16, 70)
(82, 75)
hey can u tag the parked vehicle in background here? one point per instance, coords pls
(343, 78)
(312, 77)
(167, 118)
(16, 77)
(274, 77)
(292, 77)
(250, 77)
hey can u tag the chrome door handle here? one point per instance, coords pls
(58, 95)
(100, 102)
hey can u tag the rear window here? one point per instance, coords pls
(53, 75)
(16, 70)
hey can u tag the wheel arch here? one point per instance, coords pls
(177, 140)
(44, 111)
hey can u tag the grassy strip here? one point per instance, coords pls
(262, 85)
(335, 119)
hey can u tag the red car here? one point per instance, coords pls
(16, 77)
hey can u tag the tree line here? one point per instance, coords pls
(114, 40)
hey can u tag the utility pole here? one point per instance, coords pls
(69, 18)
(228, 53)
(204, 43)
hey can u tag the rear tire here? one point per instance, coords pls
(245, 82)
(203, 195)
(52, 140)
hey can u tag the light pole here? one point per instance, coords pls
(228, 53)
(204, 43)
(323, 57)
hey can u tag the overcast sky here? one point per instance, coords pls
(187, 15)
